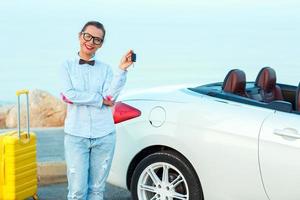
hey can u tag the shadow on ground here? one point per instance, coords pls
(59, 192)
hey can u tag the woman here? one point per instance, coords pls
(90, 90)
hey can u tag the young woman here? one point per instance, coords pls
(90, 89)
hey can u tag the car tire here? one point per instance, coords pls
(180, 182)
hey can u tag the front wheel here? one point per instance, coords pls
(165, 175)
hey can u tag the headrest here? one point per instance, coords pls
(266, 79)
(298, 98)
(235, 82)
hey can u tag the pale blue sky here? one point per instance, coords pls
(177, 41)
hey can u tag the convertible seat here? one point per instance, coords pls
(298, 98)
(235, 82)
(266, 81)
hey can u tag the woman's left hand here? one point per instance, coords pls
(126, 60)
(108, 102)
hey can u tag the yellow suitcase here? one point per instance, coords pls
(18, 175)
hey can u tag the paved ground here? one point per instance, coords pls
(59, 192)
(50, 145)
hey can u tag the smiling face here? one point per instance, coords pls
(90, 40)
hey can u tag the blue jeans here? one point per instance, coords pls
(88, 164)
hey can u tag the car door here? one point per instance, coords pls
(222, 139)
(279, 156)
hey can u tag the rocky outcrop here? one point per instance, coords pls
(4, 110)
(45, 111)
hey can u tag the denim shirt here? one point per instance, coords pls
(83, 89)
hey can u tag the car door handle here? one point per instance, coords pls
(287, 132)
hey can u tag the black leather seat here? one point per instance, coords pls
(235, 82)
(298, 98)
(266, 81)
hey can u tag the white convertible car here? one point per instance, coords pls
(233, 140)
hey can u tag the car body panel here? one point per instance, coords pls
(218, 137)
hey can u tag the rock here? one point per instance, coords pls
(3, 113)
(45, 111)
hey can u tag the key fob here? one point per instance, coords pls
(133, 57)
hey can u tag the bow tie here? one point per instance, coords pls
(91, 62)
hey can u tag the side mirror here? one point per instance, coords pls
(283, 106)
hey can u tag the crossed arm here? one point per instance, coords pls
(111, 88)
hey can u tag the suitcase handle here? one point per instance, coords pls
(19, 93)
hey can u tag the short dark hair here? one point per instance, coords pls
(96, 24)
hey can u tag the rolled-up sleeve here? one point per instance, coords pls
(72, 96)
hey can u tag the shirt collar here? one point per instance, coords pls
(92, 58)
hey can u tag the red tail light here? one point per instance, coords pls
(123, 112)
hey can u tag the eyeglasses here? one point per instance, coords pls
(88, 37)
